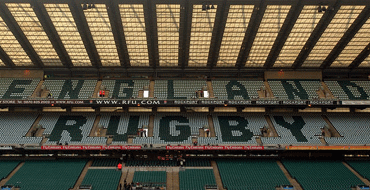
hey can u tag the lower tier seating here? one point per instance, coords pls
(296, 129)
(151, 163)
(354, 128)
(14, 127)
(321, 175)
(56, 175)
(174, 128)
(6, 167)
(362, 167)
(251, 174)
(196, 179)
(102, 179)
(150, 178)
(120, 126)
(73, 129)
(104, 162)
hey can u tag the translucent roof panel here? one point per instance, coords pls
(365, 63)
(2, 63)
(237, 22)
(33, 30)
(301, 31)
(134, 30)
(201, 35)
(345, 16)
(64, 24)
(168, 22)
(354, 47)
(101, 31)
(11, 46)
(271, 23)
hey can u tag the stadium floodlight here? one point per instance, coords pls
(90, 6)
(205, 94)
(84, 7)
(93, 6)
(212, 7)
(319, 9)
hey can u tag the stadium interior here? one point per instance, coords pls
(185, 94)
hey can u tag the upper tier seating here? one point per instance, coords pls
(7, 167)
(362, 167)
(124, 89)
(193, 162)
(174, 128)
(321, 175)
(71, 89)
(251, 174)
(156, 178)
(177, 89)
(236, 89)
(232, 128)
(350, 90)
(296, 129)
(196, 179)
(294, 89)
(14, 127)
(354, 128)
(102, 179)
(55, 175)
(122, 125)
(73, 129)
(17, 88)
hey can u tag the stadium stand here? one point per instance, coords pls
(232, 128)
(321, 175)
(120, 126)
(197, 163)
(124, 89)
(73, 129)
(70, 89)
(7, 166)
(177, 89)
(17, 88)
(236, 89)
(14, 126)
(350, 90)
(174, 128)
(359, 130)
(104, 162)
(361, 166)
(199, 178)
(295, 89)
(296, 129)
(102, 179)
(57, 175)
(150, 178)
(251, 174)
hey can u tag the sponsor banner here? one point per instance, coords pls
(6, 148)
(357, 102)
(332, 147)
(359, 147)
(81, 147)
(148, 102)
(301, 147)
(214, 148)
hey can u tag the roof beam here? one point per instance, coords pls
(151, 33)
(316, 34)
(119, 37)
(287, 27)
(184, 34)
(250, 34)
(350, 33)
(360, 58)
(19, 35)
(219, 27)
(6, 59)
(48, 26)
(85, 33)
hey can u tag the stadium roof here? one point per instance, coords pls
(215, 37)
